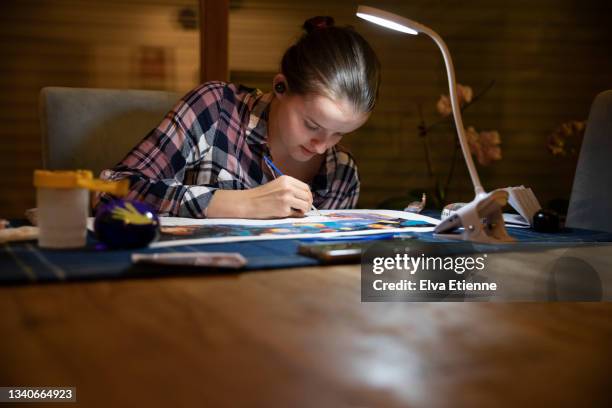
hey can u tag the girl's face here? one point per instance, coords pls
(308, 125)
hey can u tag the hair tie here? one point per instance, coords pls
(318, 23)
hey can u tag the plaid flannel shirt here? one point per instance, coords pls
(215, 138)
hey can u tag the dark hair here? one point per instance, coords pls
(333, 61)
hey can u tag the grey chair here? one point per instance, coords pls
(94, 129)
(591, 199)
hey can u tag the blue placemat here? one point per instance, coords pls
(27, 263)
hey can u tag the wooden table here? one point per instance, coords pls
(297, 337)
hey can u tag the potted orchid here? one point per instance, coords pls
(484, 146)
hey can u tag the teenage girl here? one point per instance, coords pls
(207, 157)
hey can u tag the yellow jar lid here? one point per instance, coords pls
(60, 178)
(79, 179)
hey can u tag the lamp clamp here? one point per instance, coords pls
(479, 221)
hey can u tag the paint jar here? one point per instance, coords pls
(62, 198)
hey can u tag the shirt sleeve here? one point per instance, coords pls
(349, 197)
(344, 192)
(352, 195)
(156, 167)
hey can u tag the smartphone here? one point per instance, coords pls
(347, 252)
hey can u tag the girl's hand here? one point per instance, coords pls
(283, 197)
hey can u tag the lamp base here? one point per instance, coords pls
(481, 219)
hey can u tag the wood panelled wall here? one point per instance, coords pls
(549, 58)
(88, 43)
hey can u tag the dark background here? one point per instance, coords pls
(548, 60)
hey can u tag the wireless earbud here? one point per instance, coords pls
(280, 87)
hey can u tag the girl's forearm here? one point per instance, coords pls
(228, 204)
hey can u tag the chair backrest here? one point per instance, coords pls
(591, 199)
(95, 128)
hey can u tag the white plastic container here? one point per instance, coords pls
(62, 198)
(62, 217)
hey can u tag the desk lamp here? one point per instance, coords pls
(481, 219)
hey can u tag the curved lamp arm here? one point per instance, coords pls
(402, 24)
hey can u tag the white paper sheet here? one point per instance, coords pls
(327, 216)
(277, 224)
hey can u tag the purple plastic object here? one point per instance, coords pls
(126, 224)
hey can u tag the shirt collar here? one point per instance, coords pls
(257, 128)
